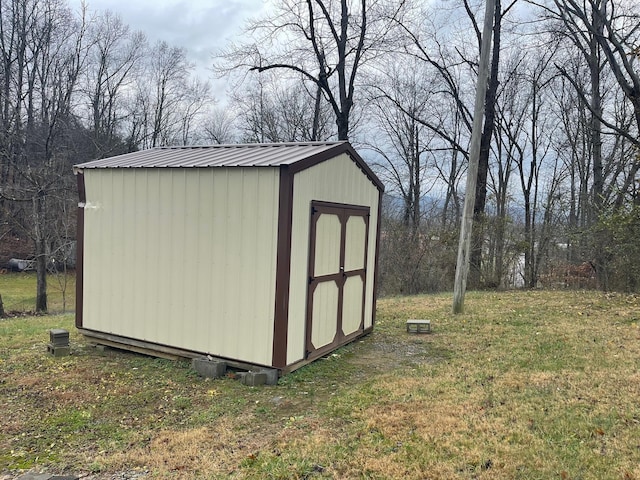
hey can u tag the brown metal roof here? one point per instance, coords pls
(239, 155)
(298, 155)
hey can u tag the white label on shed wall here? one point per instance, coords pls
(183, 257)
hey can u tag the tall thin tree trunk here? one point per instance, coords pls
(416, 181)
(462, 264)
(41, 253)
(596, 106)
(316, 115)
(599, 256)
(475, 271)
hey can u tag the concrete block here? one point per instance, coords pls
(272, 375)
(418, 326)
(59, 337)
(209, 368)
(57, 351)
(253, 379)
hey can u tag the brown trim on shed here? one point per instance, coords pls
(306, 361)
(282, 292)
(375, 266)
(82, 199)
(343, 212)
(367, 221)
(334, 152)
(283, 268)
(158, 349)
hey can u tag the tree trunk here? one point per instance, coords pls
(316, 115)
(596, 106)
(342, 121)
(475, 270)
(596, 142)
(2, 314)
(464, 245)
(41, 253)
(41, 280)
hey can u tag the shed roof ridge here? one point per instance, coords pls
(249, 145)
(294, 155)
(231, 155)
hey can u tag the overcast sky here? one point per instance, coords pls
(200, 26)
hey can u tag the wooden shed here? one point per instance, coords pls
(262, 254)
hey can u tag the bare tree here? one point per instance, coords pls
(192, 109)
(325, 43)
(401, 140)
(272, 109)
(167, 102)
(607, 33)
(44, 52)
(446, 62)
(529, 162)
(114, 57)
(168, 74)
(219, 127)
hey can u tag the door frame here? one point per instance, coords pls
(344, 212)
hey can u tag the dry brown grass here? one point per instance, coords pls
(525, 385)
(185, 454)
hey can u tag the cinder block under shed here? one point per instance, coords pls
(266, 376)
(260, 254)
(209, 368)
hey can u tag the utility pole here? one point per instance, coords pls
(464, 244)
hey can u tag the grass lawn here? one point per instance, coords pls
(525, 385)
(18, 292)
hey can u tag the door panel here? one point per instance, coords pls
(325, 314)
(352, 305)
(328, 234)
(355, 243)
(337, 274)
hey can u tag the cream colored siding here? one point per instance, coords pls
(337, 180)
(183, 257)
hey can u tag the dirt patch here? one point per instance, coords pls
(381, 352)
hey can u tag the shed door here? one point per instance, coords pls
(337, 275)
